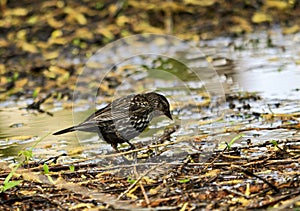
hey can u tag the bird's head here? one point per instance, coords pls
(160, 103)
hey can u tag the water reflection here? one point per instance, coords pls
(272, 72)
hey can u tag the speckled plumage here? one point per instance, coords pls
(124, 118)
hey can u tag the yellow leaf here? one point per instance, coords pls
(57, 70)
(171, 5)
(247, 191)
(21, 138)
(142, 5)
(145, 27)
(58, 41)
(46, 4)
(231, 182)
(2, 69)
(56, 33)
(27, 193)
(130, 193)
(3, 43)
(212, 173)
(51, 55)
(17, 12)
(74, 14)
(184, 206)
(75, 151)
(260, 17)
(29, 176)
(84, 33)
(29, 47)
(21, 35)
(291, 30)
(243, 25)
(81, 206)
(56, 38)
(122, 20)
(42, 45)
(202, 3)
(21, 83)
(279, 4)
(49, 74)
(112, 9)
(54, 23)
(81, 19)
(105, 32)
(63, 79)
(148, 180)
(33, 20)
(154, 191)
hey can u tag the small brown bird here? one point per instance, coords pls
(124, 118)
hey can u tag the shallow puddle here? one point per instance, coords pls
(197, 99)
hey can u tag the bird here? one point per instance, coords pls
(124, 118)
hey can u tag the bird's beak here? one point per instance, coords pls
(168, 114)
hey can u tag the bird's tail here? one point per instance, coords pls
(67, 130)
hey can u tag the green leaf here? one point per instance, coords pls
(9, 176)
(184, 180)
(72, 168)
(7, 184)
(10, 184)
(36, 92)
(16, 76)
(234, 140)
(27, 154)
(130, 180)
(46, 168)
(275, 143)
(76, 42)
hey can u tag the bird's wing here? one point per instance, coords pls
(118, 109)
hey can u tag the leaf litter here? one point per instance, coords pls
(240, 174)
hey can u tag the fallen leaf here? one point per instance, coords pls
(3, 43)
(75, 15)
(279, 4)
(260, 17)
(21, 34)
(48, 55)
(16, 12)
(21, 138)
(80, 206)
(122, 20)
(84, 33)
(105, 32)
(2, 71)
(291, 30)
(202, 3)
(53, 22)
(28, 47)
(21, 83)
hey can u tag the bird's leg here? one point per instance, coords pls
(132, 147)
(115, 146)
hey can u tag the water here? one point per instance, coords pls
(250, 66)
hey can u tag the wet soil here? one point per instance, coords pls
(234, 142)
